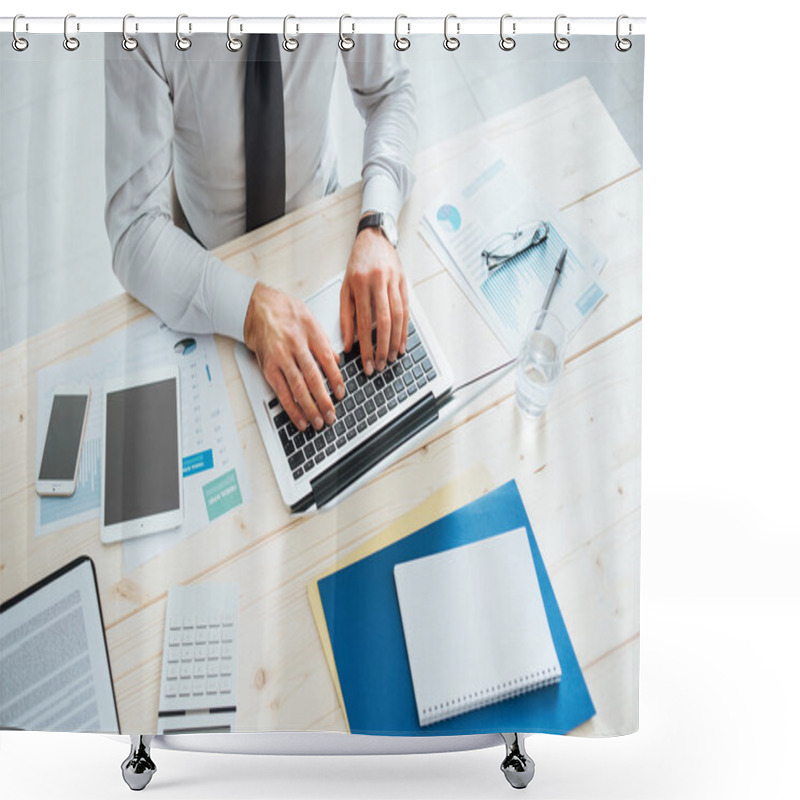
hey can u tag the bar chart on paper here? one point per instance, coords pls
(494, 202)
(516, 289)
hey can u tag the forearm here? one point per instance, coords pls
(389, 146)
(384, 95)
(187, 287)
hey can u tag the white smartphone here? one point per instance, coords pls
(61, 455)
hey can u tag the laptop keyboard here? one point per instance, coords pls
(366, 401)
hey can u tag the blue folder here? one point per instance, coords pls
(366, 632)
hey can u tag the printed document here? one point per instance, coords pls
(214, 476)
(489, 202)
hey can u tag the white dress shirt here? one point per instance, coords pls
(184, 111)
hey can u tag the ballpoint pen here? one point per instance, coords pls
(550, 289)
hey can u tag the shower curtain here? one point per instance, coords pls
(321, 366)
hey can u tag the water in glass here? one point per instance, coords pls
(537, 371)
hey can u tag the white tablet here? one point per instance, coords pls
(56, 674)
(142, 481)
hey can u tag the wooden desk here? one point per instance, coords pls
(577, 467)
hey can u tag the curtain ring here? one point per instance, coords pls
(289, 44)
(507, 42)
(623, 45)
(451, 43)
(401, 43)
(561, 43)
(18, 43)
(345, 42)
(128, 42)
(70, 42)
(233, 44)
(181, 42)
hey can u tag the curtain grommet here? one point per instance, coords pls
(401, 43)
(561, 43)
(129, 43)
(71, 43)
(622, 44)
(346, 43)
(507, 43)
(290, 43)
(182, 42)
(233, 44)
(18, 42)
(451, 43)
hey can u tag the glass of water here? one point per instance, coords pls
(540, 362)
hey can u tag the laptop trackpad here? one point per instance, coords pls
(324, 305)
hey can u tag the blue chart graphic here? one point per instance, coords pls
(449, 217)
(507, 287)
(185, 346)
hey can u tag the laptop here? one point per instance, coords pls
(377, 415)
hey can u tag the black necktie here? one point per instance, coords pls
(265, 148)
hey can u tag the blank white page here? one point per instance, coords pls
(475, 626)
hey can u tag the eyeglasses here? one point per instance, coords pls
(507, 245)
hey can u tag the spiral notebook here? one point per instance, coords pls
(475, 626)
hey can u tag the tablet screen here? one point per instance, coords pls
(142, 474)
(54, 668)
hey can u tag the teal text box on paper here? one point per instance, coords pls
(222, 494)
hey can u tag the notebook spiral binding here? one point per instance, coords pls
(451, 42)
(490, 695)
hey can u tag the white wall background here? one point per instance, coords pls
(721, 539)
(55, 257)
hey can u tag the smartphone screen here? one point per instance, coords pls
(63, 438)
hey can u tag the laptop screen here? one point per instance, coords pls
(54, 668)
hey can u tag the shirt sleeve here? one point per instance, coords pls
(384, 95)
(158, 263)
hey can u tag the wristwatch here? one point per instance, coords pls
(383, 221)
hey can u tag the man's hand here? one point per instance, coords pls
(290, 347)
(374, 281)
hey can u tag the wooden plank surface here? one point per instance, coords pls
(577, 467)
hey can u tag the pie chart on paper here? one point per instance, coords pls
(185, 346)
(449, 217)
